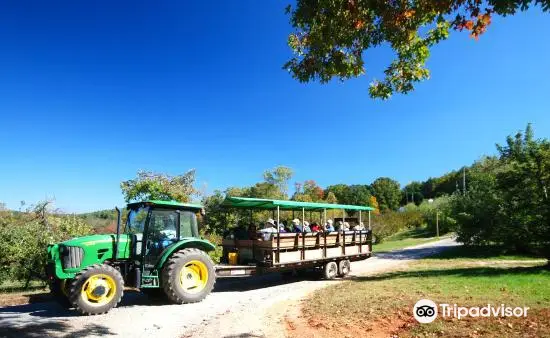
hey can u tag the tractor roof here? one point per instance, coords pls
(167, 204)
(269, 204)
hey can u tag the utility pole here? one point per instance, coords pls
(437, 222)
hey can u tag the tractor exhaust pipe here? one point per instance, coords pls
(117, 233)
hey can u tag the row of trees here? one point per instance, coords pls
(506, 202)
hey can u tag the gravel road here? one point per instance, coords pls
(238, 307)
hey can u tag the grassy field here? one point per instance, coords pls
(406, 238)
(16, 286)
(382, 305)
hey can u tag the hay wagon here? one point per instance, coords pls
(329, 252)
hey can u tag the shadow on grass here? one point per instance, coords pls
(456, 272)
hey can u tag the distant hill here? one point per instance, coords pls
(103, 221)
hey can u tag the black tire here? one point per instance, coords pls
(100, 280)
(344, 267)
(174, 269)
(59, 289)
(330, 270)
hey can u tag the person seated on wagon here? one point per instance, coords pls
(315, 227)
(240, 232)
(359, 226)
(268, 230)
(328, 226)
(281, 226)
(252, 232)
(296, 227)
(346, 226)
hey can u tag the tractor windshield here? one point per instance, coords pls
(136, 220)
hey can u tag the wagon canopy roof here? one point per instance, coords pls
(268, 204)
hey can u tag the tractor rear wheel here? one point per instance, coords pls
(188, 276)
(96, 289)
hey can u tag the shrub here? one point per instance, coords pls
(24, 237)
(391, 222)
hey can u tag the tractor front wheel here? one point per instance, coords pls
(96, 289)
(188, 276)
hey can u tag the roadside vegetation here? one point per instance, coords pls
(382, 304)
(499, 200)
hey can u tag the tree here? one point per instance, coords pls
(507, 200)
(331, 198)
(340, 191)
(150, 185)
(524, 185)
(387, 193)
(411, 191)
(308, 191)
(279, 177)
(356, 194)
(217, 219)
(331, 36)
(374, 203)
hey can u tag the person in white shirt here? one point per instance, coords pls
(268, 229)
(359, 226)
(328, 226)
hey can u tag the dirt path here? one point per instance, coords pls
(243, 307)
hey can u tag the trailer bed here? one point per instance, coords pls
(290, 251)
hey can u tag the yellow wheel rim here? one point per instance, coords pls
(194, 276)
(99, 290)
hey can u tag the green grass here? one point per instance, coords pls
(452, 277)
(16, 286)
(405, 239)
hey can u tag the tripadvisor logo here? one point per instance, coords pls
(426, 311)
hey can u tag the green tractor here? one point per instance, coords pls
(158, 251)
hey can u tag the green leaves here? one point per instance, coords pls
(150, 185)
(331, 37)
(24, 237)
(507, 198)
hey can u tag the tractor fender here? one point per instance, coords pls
(197, 243)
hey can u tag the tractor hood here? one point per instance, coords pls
(95, 240)
(68, 257)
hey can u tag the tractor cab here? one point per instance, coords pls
(157, 250)
(155, 226)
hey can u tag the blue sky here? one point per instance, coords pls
(90, 92)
